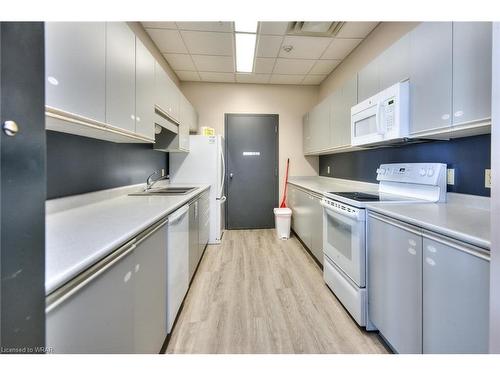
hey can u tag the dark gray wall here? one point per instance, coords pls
(77, 165)
(22, 188)
(469, 157)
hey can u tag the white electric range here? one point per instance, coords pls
(344, 227)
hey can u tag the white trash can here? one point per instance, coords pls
(283, 218)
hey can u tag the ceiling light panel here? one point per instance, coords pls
(245, 51)
(245, 26)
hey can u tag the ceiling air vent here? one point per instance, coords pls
(308, 28)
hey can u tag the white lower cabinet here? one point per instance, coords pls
(194, 238)
(204, 222)
(117, 306)
(394, 252)
(456, 279)
(150, 298)
(307, 219)
(427, 293)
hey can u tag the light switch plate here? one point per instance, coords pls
(487, 178)
(450, 180)
(163, 172)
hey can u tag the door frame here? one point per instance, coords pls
(276, 157)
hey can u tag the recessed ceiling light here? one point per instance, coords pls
(245, 50)
(245, 26)
(287, 48)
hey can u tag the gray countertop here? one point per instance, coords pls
(321, 185)
(80, 233)
(464, 217)
(456, 220)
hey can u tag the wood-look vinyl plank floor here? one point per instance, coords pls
(255, 293)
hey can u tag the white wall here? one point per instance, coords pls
(385, 34)
(495, 198)
(213, 100)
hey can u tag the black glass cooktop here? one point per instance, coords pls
(360, 197)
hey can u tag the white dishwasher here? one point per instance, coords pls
(177, 262)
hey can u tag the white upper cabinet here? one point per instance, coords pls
(431, 77)
(75, 55)
(471, 71)
(120, 76)
(319, 120)
(186, 118)
(145, 88)
(342, 116)
(394, 63)
(306, 134)
(390, 67)
(368, 80)
(167, 93)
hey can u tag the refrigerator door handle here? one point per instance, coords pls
(221, 187)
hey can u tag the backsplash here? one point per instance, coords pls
(77, 165)
(469, 157)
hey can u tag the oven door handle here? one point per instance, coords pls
(357, 215)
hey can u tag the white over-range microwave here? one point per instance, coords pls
(383, 118)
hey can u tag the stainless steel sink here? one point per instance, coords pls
(166, 191)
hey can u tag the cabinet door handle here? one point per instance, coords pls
(430, 261)
(65, 292)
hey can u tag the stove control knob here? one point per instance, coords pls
(430, 172)
(422, 172)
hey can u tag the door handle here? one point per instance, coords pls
(231, 175)
(10, 128)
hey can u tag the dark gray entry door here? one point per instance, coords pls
(251, 170)
(22, 187)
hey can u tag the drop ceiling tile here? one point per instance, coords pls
(340, 48)
(185, 75)
(273, 28)
(288, 79)
(313, 79)
(207, 63)
(304, 47)
(216, 77)
(324, 66)
(208, 43)
(252, 78)
(292, 66)
(167, 41)
(356, 29)
(160, 25)
(179, 61)
(219, 26)
(268, 45)
(264, 64)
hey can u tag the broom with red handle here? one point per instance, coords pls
(283, 201)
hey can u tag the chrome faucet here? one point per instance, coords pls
(150, 182)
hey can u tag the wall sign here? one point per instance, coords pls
(251, 153)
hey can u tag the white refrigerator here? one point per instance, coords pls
(203, 164)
